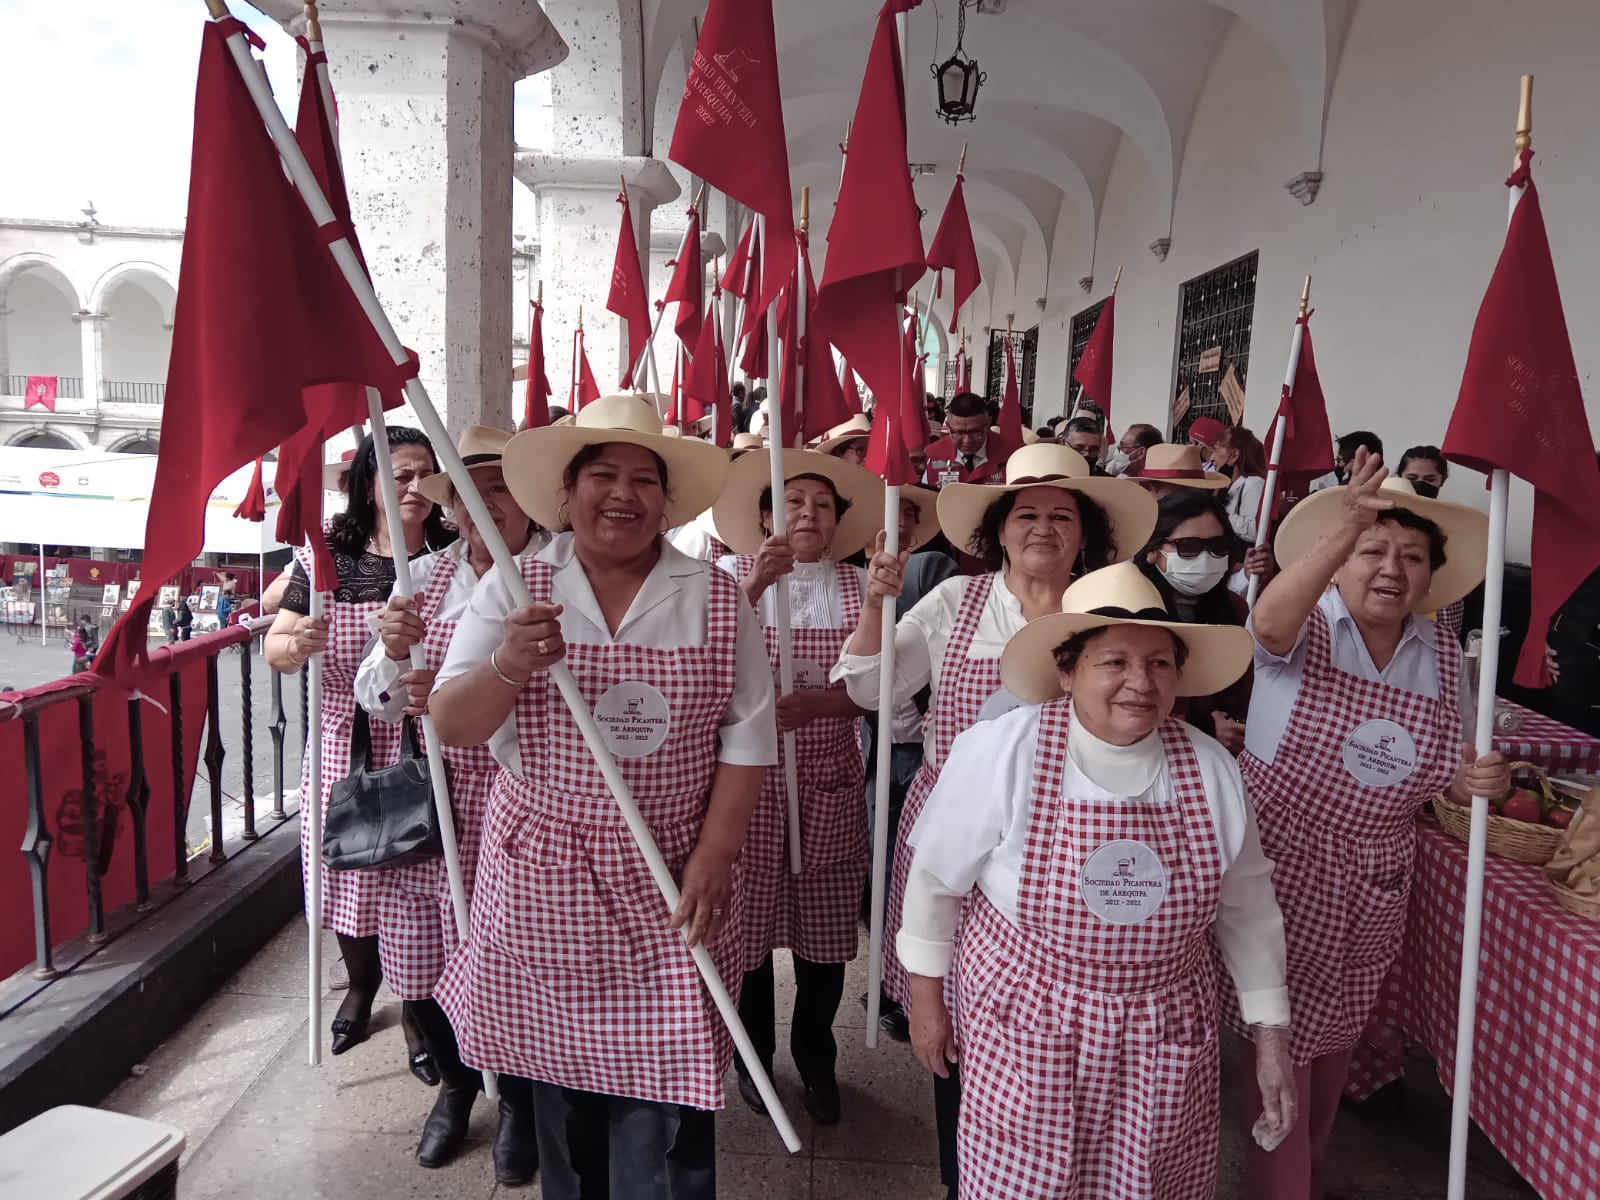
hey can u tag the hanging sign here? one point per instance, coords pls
(1233, 392)
(1180, 406)
(1211, 360)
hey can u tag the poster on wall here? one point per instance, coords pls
(1233, 392)
(1211, 359)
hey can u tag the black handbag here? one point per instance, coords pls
(381, 816)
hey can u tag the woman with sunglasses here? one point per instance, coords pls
(1187, 558)
(359, 539)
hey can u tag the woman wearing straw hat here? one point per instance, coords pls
(575, 974)
(359, 541)
(416, 919)
(1170, 468)
(1103, 845)
(1047, 523)
(833, 508)
(848, 440)
(1358, 717)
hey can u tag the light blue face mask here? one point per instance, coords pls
(1195, 576)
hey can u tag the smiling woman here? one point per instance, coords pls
(574, 973)
(1360, 714)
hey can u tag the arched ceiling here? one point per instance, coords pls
(1070, 83)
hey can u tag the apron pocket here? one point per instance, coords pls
(833, 828)
(554, 917)
(1375, 918)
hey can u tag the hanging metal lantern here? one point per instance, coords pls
(958, 77)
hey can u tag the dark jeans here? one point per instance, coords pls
(817, 990)
(595, 1147)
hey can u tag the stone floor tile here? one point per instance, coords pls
(861, 1180)
(762, 1176)
(280, 967)
(887, 1100)
(225, 1048)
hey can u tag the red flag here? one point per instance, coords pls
(875, 245)
(707, 380)
(821, 405)
(687, 285)
(584, 389)
(899, 420)
(1307, 440)
(41, 391)
(1094, 364)
(730, 124)
(852, 392)
(254, 505)
(1521, 410)
(536, 395)
(1011, 404)
(733, 275)
(628, 298)
(241, 357)
(333, 409)
(753, 326)
(953, 247)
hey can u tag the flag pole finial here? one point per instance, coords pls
(1117, 280)
(962, 165)
(1525, 117)
(540, 299)
(1305, 297)
(219, 9)
(580, 318)
(313, 22)
(624, 181)
(699, 196)
(805, 209)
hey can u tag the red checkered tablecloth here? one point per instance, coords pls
(1536, 1070)
(1556, 747)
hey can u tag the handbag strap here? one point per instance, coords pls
(360, 740)
(413, 743)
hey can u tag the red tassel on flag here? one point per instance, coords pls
(536, 393)
(297, 325)
(628, 298)
(1521, 410)
(254, 505)
(730, 125)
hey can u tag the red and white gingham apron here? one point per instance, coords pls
(964, 684)
(416, 919)
(815, 913)
(1343, 850)
(350, 899)
(571, 974)
(1089, 1048)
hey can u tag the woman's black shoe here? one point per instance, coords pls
(893, 1021)
(752, 1094)
(516, 1143)
(424, 1068)
(347, 1034)
(445, 1130)
(822, 1103)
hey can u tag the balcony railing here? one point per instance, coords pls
(118, 392)
(68, 387)
(108, 790)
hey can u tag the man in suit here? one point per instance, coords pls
(967, 453)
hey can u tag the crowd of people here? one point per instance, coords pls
(1127, 815)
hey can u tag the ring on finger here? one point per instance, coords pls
(543, 646)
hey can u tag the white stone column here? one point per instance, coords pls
(90, 330)
(425, 105)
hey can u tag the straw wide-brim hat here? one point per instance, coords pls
(333, 473)
(1120, 595)
(1466, 533)
(927, 501)
(743, 443)
(856, 427)
(535, 460)
(1180, 466)
(479, 446)
(737, 512)
(1130, 509)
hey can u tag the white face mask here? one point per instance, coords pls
(1114, 461)
(1195, 576)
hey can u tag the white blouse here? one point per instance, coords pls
(920, 639)
(974, 831)
(668, 611)
(1244, 505)
(1414, 667)
(815, 597)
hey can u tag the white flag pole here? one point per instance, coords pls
(1488, 671)
(884, 745)
(1275, 455)
(648, 354)
(775, 446)
(461, 479)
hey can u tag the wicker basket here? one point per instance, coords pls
(1584, 906)
(1516, 840)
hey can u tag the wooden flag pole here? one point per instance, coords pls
(883, 748)
(1488, 672)
(775, 444)
(1275, 455)
(461, 479)
(577, 350)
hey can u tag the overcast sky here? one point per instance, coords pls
(97, 103)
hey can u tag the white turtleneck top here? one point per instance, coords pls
(974, 830)
(815, 601)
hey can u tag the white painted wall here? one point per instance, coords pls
(1404, 235)
(41, 336)
(134, 346)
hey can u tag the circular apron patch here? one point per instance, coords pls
(999, 703)
(809, 676)
(1123, 882)
(633, 718)
(1380, 754)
